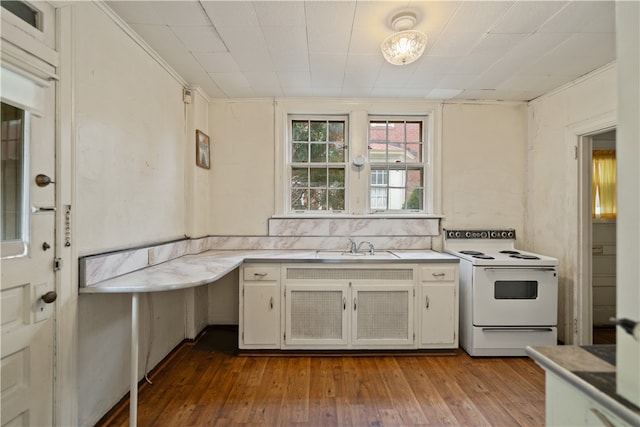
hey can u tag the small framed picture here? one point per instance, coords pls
(202, 150)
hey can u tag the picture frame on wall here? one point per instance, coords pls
(203, 156)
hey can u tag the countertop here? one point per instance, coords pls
(195, 270)
(592, 370)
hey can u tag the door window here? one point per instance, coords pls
(14, 168)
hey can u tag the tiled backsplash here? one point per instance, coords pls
(284, 233)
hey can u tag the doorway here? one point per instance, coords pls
(603, 232)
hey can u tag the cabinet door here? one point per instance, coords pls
(438, 313)
(261, 314)
(382, 315)
(315, 316)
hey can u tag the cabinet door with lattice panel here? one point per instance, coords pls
(316, 315)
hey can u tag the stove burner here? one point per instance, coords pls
(471, 253)
(483, 256)
(523, 256)
(510, 252)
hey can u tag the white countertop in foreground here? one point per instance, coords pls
(195, 270)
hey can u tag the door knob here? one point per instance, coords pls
(49, 297)
(43, 180)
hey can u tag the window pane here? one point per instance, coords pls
(300, 177)
(336, 131)
(336, 153)
(414, 131)
(318, 153)
(336, 200)
(379, 198)
(396, 198)
(300, 153)
(318, 178)
(396, 132)
(299, 198)
(300, 130)
(13, 165)
(413, 153)
(319, 131)
(336, 178)
(317, 199)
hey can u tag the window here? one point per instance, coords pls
(322, 145)
(14, 197)
(604, 184)
(318, 164)
(23, 11)
(396, 155)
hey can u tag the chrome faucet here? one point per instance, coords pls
(371, 248)
(355, 247)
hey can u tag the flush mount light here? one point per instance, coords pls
(406, 45)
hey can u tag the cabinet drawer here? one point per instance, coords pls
(261, 273)
(438, 274)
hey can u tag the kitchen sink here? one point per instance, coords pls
(355, 256)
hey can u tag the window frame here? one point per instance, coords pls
(357, 180)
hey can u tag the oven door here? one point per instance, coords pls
(515, 296)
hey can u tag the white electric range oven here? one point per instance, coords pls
(508, 297)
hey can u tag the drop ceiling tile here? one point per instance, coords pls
(330, 14)
(587, 44)
(230, 80)
(526, 16)
(181, 13)
(497, 44)
(360, 80)
(294, 79)
(454, 44)
(537, 45)
(217, 62)
(199, 38)
(239, 39)
(364, 63)
(285, 38)
(443, 93)
(473, 64)
(259, 79)
(253, 60)
(295, 62)
(136, 12)
(231, 13)
(327, 62)
(582, 16)
(476, 16)
(327, 78)
(365, 40)
(275, 13)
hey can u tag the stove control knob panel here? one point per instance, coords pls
(480, 234)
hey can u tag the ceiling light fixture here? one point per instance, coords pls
(406, 45)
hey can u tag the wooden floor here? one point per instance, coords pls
(604, 335)
(201, 387)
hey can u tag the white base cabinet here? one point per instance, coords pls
(438, 306)
(348, 306)
(259, 314)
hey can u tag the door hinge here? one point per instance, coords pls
(57, 264)
(575, 326)
(575, 152)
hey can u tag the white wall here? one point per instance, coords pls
(242, 162)
(484, 162)
(555, 121)
(129, 151)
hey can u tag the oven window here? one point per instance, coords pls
(515, 289)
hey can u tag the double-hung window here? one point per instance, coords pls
(318, 155)
(396, 158)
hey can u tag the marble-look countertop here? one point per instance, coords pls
(592, 370)
(195, 270)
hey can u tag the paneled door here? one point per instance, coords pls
(27, 217)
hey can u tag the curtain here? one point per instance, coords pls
(603, 192)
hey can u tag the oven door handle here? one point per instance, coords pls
(520, 268)
(515, 328)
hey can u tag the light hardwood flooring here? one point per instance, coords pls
(202, 387)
